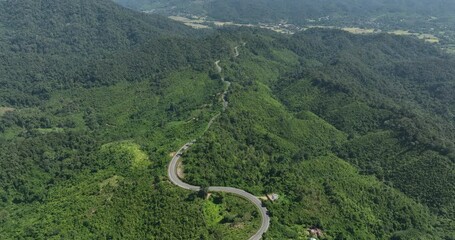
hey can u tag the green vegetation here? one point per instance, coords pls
(228, 217)
(355, 133)
(297, 132)
(114, 146)
(84, 153)
(125, 153)
(422, 18)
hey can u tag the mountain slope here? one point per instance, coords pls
(355, 133)
(78, 26)
(83, 43)
(340, 98)
(97, 97)
(375, 95)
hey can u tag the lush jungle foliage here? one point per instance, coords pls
(93, 101)
(326, 109)
(355, 133)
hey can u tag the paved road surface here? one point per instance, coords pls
(172, 173)
(173, 176)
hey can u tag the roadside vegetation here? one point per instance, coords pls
(354, 133)
(341, 118)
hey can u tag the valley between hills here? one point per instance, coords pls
(352, 134)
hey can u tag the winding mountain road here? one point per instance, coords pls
(172, 173)
(173, 176)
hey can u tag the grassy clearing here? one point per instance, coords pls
(424, 36)
(212, 213)
(194, 23)
(4, 110)
(355, 30)
(127, 152)
(49, 130)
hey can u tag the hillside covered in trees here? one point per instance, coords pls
(350, 124)
(355, 133)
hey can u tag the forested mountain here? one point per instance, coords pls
(93, 99)
(84, 43)
(355, 133)
(79, 26)
(371, 101)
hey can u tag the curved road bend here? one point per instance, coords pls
(173, 176)
(172, 173)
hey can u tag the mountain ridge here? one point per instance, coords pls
(353, 132)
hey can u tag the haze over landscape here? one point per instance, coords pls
(227, 119)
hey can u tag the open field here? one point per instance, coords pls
(194, 23)
(200, 22)
(424, 36)
(356, 30)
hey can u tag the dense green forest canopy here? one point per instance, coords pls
(355, 133)
(86, 43)
(79, 26)
(331, 95)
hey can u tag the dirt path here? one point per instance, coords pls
(236, 51)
